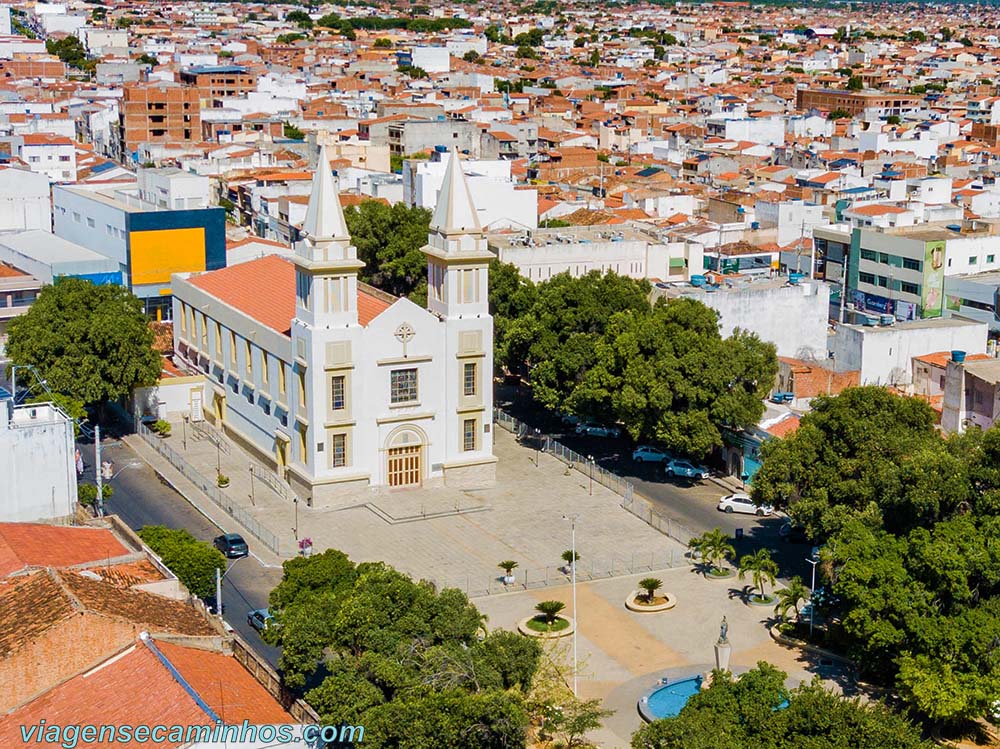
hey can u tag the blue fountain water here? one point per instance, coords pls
(668, 700)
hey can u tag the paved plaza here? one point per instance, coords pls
(454, 537)
(622, 653)
(457, 537)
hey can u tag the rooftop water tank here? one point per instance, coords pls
(794, 278)
(698, 280)
(958, 356)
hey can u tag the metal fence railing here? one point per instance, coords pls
(573, 459)
(645, 511)
(596, 568)
(635, 504)
(209, 488)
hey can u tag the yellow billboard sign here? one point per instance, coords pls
(157, 253)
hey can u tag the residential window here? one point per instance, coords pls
(866, 277)
(991, 258)
(972, 260)
(263, 367)
(281, 378)
(868, 255)
(883, 258)
(338, 450)
(883, 282)
(403, 385)
(184, 318)
(249, 353)
(469, 435)
(218, 340)
(302, 388)
(911, 264)
(469, 379)
(232, 348)
(909, 288)
(204, 333)
(338, 401)
(76, 217)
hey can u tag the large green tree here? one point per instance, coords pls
(409, 663)
(667, 374)
(555, 337)
(910, 520)
(758, 712)
(92, 343)
(193, 561)
(389, 241)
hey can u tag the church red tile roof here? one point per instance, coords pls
(264, 289)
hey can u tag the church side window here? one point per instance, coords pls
(403, 385)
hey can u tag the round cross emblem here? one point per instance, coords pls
(405, 333)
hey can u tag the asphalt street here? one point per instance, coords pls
(690, 503)
(141, 498)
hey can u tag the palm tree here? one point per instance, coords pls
(550, 610)
(508, 566)
(650, 585)
(761, 568)
(789, 597)
(569, 556)
(713, 547)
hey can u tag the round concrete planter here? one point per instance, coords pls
(524, 629)
(768, 601)
(632, 604)
(730, 574)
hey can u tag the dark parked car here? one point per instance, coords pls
(232, 545)
(793, 533)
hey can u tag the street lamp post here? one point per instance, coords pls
(590, 459)
(813, 560)
(219, 576)
(576, 618)
(538, 445)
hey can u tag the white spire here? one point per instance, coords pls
(324, 215)
(455, 212)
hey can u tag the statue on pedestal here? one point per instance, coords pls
(723, 632)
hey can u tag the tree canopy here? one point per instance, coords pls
(92, 343)
(756, 711)
(389, 241)
(910, 520)
(409, 662)
(595, 346)
(193, 561)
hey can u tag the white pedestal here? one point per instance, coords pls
(722, 653)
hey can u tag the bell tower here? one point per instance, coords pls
(327, 265)
(457, 255)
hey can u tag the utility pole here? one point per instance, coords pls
(843, 282)
(97, 470)
(218, 592)
(576, 618)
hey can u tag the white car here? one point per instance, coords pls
(740, 502)
(647, 454)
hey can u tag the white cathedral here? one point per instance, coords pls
(336, 385)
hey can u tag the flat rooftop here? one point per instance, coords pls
(938, 322)
(985, 369)
(46, 247)
(569, 235)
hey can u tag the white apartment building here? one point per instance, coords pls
(498, 204)
(25, 201)
(51, 155)
(36, 463)
(336, 385)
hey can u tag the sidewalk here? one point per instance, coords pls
(177, 481)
